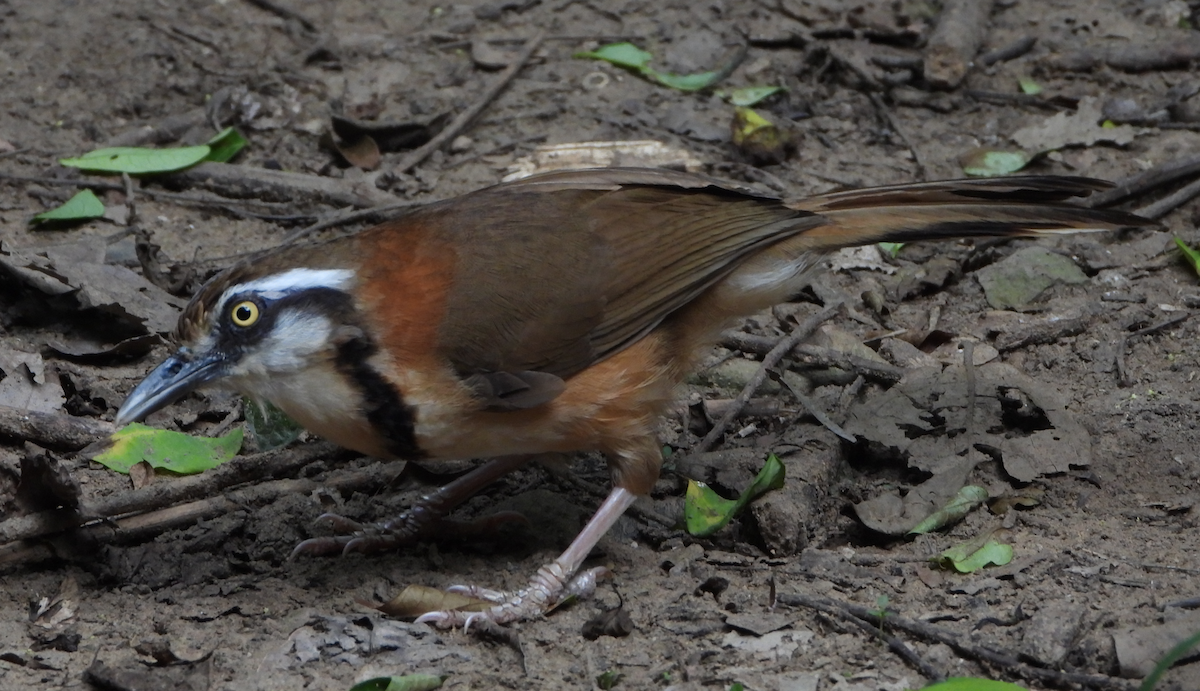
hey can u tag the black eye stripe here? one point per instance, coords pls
(336, 304)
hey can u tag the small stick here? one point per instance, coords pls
(1145, 181)
(164, 494)
(416, 156)
(960, 643)
(771, 359)
(1012, 51)
(284, 12)
(52, 430)
(895, 125)
(955, 41)
(1123, 343)
(228, 205)
(815, 356)
(341, 219)
(1169, 203)
(145, 525)
(812, 408)
(1119, 360)
(968, 349)
(1166, 323)
(898, 646)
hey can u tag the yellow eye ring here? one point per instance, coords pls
(244, 314)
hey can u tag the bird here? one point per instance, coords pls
(557, 313)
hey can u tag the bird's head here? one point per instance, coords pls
(251, 327)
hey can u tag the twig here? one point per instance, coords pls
(1145, 181)
(1119, 360)
(375, 214)
(1004, 98)
(164, 494)
(1164, 55)
(1011, 51)
(145, 525)
(242, 182)
(1123, 343)
(968, 350)
(1164, 324)
(960, 643)
(886, 114)
(222, 203)
(815, 356)
(1169, 203)
(898, 646)
(955, 41)
(52, 430)
(771, 359)
(813, 409)
(284, 12)
(452, 130)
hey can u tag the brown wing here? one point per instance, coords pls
(556, 272)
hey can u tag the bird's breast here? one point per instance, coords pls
(324, 402)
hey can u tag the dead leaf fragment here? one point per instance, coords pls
(646, 153)
(615, 622)
(78, 269)
(1081, 128)
(24, 384)
(416, 600)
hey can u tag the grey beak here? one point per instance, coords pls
(182, 372)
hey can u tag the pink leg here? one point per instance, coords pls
(425, 519)
(552, 581)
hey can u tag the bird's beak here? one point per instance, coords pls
(182, 372)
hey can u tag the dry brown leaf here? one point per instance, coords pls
(416, 600)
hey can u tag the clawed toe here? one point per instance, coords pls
(544, 593)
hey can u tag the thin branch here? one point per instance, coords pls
(460, 123)
(962, 644)
(771, 359)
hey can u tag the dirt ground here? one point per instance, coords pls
(1109, 548)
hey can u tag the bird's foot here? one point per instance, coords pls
(410, 527)
(550, 587)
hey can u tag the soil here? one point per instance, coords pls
(1108, 547)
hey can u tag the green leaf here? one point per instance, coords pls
(967, 498)
(270, 427)
(631, 57)
(973, 684)
(82, 206)
(987, 163)
(408, 682)
(970, 556)
(684, 82)
(892, 248)
(609, 680)
(138, 161)
(706, 512)
(225, 145)
(173, 451)
(619, 54)
(749, 95)
(1191, 255)
(1173, 655)
(1028, 86)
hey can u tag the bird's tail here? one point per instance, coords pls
(1014, 206)
(1031, 205)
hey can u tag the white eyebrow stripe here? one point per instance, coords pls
(291, 280)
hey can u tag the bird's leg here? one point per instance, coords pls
(426, 518)
(551, 582)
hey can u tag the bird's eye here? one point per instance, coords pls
(244, 314)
